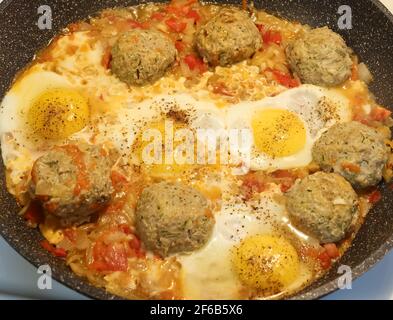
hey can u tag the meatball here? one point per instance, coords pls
(142, 56)
(72, 182)
(353, 150)
(320, 57)
(323, 205)
(173, 218)
(229, 37)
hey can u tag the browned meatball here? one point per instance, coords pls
(320, 57)
(140, 56)
(355, 151)
(323, 205)
(72, 182)
(173, 218)
(228, 38)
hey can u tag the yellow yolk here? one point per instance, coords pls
(266, 262)
(58, 113)
(278, 133)
(166, 166)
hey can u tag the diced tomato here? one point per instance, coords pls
(190, 2)
(176, 25)
(136, 243)
(354, 72)
(285, 178)
(106, 58)
(179, 45)
(57, 252)
(159, 16)
(253, 184)
(177, 11)
(70, 234)
(115, 206)
(221, 88)
(380, 114)
(325, 260)
(125, 228)
(261, 28)
(282, 174)
(192, 14)
(351, 167)
(113, 256)
(284, 79)
(271, 36)
(136, 24)
(110, 257)
(374, 197)
(331, 250)
(309, 252)
(118, 180)
(34, 213)
(195, 63)
(285, 186)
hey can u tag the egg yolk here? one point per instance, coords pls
(266, 262)
(166, 167)
(278, 133)
(58, 113)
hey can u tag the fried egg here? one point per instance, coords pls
(284, 128)
(217, 271)
(40, 110)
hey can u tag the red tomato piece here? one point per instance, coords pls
(110, 257)
(374, 197)
(195, 63)
(351, 167)
(113, 256)
(34, 213)
(221, 88)
(260, 27)
(70, 234)
(174, 10)
(176, 25)
(159, 16)
(380, 114)
(331, 250)
(106, 58)
(284, 79)
(286, 185)
(136, 24)
(57, 252)
(118, 180)
(272, 37)
(179, 46)
(253, 184)
(193, 14)
(324, 260)
(282, 174)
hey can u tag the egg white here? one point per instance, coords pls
(208, 273)
(317, 108)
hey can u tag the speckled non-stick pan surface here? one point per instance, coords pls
(371, 37)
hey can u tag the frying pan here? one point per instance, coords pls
(371, 38)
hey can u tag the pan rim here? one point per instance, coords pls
(315, 293)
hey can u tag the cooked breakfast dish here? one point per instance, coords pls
(195, 151)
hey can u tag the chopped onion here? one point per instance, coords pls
(364, 73)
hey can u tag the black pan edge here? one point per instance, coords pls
(16, 233)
